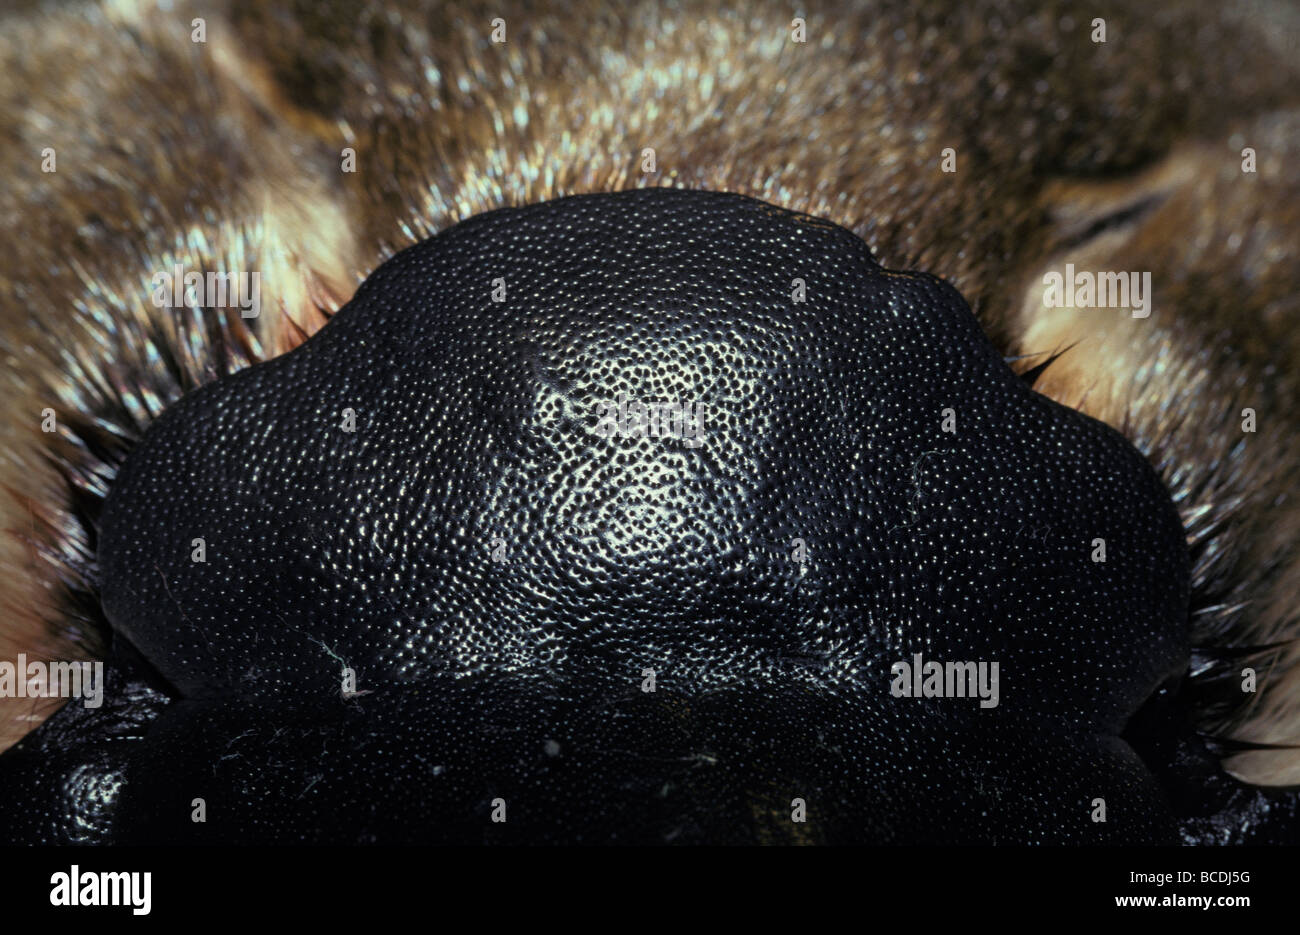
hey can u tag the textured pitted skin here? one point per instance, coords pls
(475, 439)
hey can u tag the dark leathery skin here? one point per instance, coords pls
(475, 439)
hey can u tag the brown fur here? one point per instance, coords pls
(226, 155)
